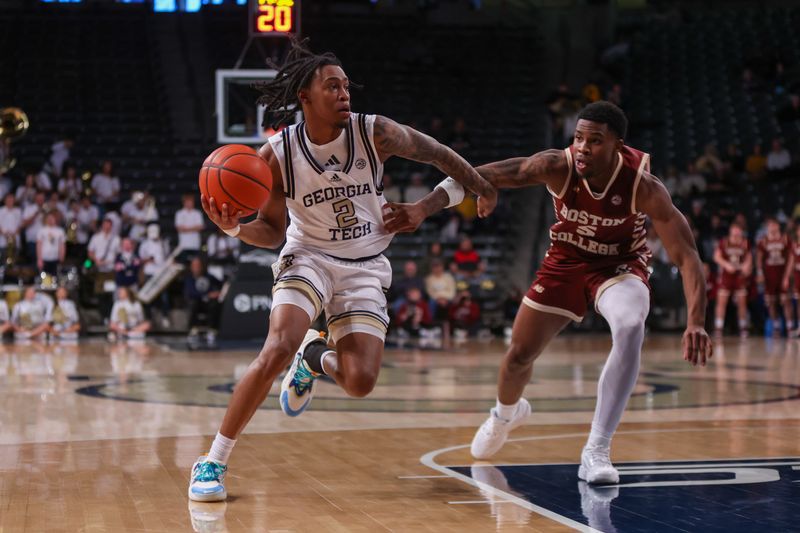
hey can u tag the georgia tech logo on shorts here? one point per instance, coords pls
(616, 199)
(286, 262)
(360, 163)
(538, 288)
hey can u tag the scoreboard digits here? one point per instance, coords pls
(274, 18)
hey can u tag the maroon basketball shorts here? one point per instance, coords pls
(566, 287)
(773, 282)
(736, 283)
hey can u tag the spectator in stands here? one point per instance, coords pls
(28, 317)
(10, 225)
(106, 186)
(732, 162)
(691, 182)
(434, 254)
(32, 219)
(465, 315)
(202, 291)
(57, 207)
(26, 193)
(63, 320)
(137, 213)
(417, 189)
(5, 317)
(51, 246)
(709, 164)
(59, 154)
(222, 249)
(451, 229)
(671, 180)
(756, 163)
(104, 247)
(127, 319)
(76, 237)
(127, 265)
(778, 159)
(43, 181)
(153, 252)
(410, 278)
(591, 92)
(413, 313)
(70, 186)
(466, 259)
(441, 288)
(459, 138)
(391, 192)
(189, 223)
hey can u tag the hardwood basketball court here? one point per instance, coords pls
(101, 438)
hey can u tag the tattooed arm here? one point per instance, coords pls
(548, 167)
(392, 138)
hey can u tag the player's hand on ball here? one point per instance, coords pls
(402, 218)
(697, 346)
(223, 216)
(487, 203)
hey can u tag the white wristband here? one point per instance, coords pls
(233, 232)
(454, 190)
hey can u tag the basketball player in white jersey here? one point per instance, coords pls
(327, 174)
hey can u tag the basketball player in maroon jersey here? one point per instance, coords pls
(772, 256)
(602, 191)
(735, 262)
(793, 268)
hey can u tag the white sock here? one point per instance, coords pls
(625, 306)
(221, 449)
(718, 323)
(506, 412)
(327, 371)
(743, 324)
(598, 439)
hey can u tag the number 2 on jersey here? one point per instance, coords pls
(345, 213)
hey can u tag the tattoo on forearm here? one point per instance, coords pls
(393, 139)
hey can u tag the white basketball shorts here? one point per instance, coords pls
(352, 293)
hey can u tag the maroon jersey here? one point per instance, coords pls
(775, 252)
(734, 253)
(775, 255)
(598, 239)
(606, 225)
(796, 254)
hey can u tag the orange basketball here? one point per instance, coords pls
(236, 175)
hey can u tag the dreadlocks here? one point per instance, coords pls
(279, 95)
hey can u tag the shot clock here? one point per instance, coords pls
(274, 18)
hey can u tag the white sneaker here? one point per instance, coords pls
(297, 387)
(207, 482)
(596, 466)
(493, 433)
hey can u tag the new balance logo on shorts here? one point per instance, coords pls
(538, 288)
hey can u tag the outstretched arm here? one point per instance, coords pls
(548, 167)
(396, 139)
(653, 200)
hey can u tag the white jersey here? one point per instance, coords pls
(336, 212)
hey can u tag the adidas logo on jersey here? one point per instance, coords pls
(332, 162)
(336, 177)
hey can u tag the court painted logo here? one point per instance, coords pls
(729, 495)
